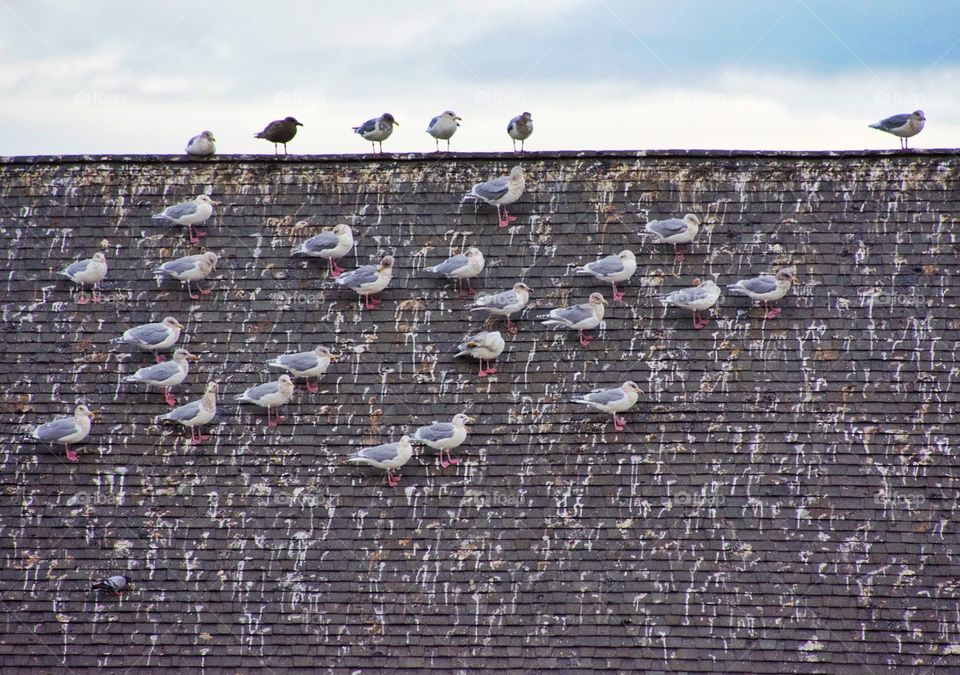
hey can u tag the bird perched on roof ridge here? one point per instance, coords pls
(766, 288)
(306, 364)
(191, 213)
(377, 129)
(152, 337)
(674, 231)
(83, 272)
(270, 395)
(66, 431)
(586, 316)
(905, 126)
(504, 303)
(445, 436)
(520, 128)
(117, 584)
(195, 413)
(330, 244)
(166, 375)
(191, 268)
(388, 457)
(202, 144)
(612, 269)
(279, 131)
(369, 280)
(483, 346)
(443, 127)
(500, 192)
(613, 401)
(461, 267)
(702, 296)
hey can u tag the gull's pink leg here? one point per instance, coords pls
(617, 295)
(96, 293)
(392, 479)
(204, 291)
(698, 321)
(585, 340)
(511, 327)
(506, 218)
(680, 255)
(481, 372)
(335, 269)
(451, 460)
(160, 358)
(771, 312)
(168, 397)
(312, 386)
(619, 423)
(71, 454)
(82, 298)
(271, 422)
(443, 463)
(371, 301)
(190, 292)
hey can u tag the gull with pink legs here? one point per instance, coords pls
(444, 437)
(500, 192)
(612, 269)
(674, 231)
(191, 269)
(270, 395)
(583, 317)
(484, 346)
(153, 337)
(504, 304)
(310, 365)
(88, 273)
(369, 280)
(195, 414)
(66, 431)
(195, 212)
(700, 298)
(387, 457)
(461, 267)
(332, 245)
(613, 401)
(766, 288)
(166, 375)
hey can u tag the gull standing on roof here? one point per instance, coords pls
(202, 144)
(445, 436)
(117, 584)
(306, 364)
(504, 304)
(766, 288)
(270, 395)
(84, 272)
(520, 128)
(189, 213)
(195, 414)
(332, 245)
(66, 431)
(500, 192)
(485, 346)
(579, 317)
(613, 401)
(153, 337)
(443, 127)
(378, 129)
(462, 267)
(701, 297)
(904, 126)
(191, 268)
(166, 375)
(387, 457)
(369, 280)
(279, 131)
(612, 269)
(674, 231)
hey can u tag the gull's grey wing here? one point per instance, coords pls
(688, 295)
(180, 265)
(500, 300)
(606, 266)
(379, 453)
(573, 315)
(605, 397)
(435, 432)
(492, 189)
(302, 361)
(432, 122)
(158, 372)
(184, 413)
(149, 334)
(360, 276)
(179, 210)
(321, 242)
(53, 431)
(893, 122)
(77, 268)
(758, 285)
(451, 265)
(667, 228)
(367, 126)
(261, 390)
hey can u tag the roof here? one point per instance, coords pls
(782, 499)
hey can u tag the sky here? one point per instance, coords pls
(134, 77)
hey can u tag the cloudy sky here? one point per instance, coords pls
(138, 77)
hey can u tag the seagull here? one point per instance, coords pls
(195, 414)
(270, 395)
(280, 131)
(191, 268)
(505, 303)
(189, 214)
(766, 288)
(85, 272)
(167, 374)
(153, 337)
(500, 192)
(377, 130)
(613, 401)
(443, 126)
(117, 584)
(612, 269)
(66, 431)
(369, 280)
(203, 144)
(462, 267)
(445, 436)
(389, 456)
(306, 364)
(904, 126)
(579, 317)
(485, 346)
(674, 231)
(702, 296)
(332, 245)
(520, 128)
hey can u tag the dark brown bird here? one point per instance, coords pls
(280, 131)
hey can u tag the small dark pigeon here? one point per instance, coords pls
(117, 584)
(280, 131)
